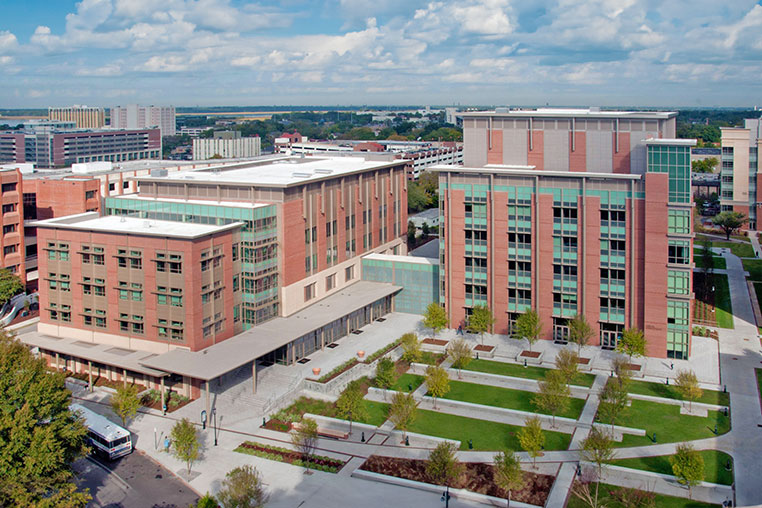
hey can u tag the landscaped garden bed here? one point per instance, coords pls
(476, 477)
(715, 465)
(530, 354)
(320, 463)
(607, 493)
(152, 399)
(103, 381)
(717, 310)
(517, 370)
(701, 331)
(484, 350)
(377, 412)
(435, 342)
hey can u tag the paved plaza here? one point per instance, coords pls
(730, 363)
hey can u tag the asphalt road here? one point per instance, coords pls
(132, 481)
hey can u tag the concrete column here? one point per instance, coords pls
(90, 375)
(206, 389)
(254, 376)
(162, 392)
(58, 368)
(124, 377)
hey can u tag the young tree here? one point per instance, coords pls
(528, 327)
(634, 498)
(350, 404)
(581, 489)
(460, 353)
(688, 466)
(305, 437)
(554, 394)
(532, 438)
(243, 487)
(403, 411)
(580, 331)
(507, 473)
(632, 343)
(435, 318)
(411, 348)
(437, 381)
(598, 448)
(185, 443)
(621, 369)
(481, 320)
(386, 373)
(704, 165)
(730, 222)
(688, 386)
(443, 466)
(125, 402)
(613, 402)
(567, 363)
(39, 436)
(10, 285)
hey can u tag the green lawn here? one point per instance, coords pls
(714, 465)
(485, 435)
(754, 267)
(377, 412)
(671, 392)
(506, 398)
(758, 291)
(661, 501)
(518, 370)
(669, 425)
(758, 372)
(474, 393)
(406, 381)
(742, 250)
(718, 263)
(724, 314)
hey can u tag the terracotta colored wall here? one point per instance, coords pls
(578, 156)
(455, 257)
(535, 155)
(13, 197)
(57, 198)
(621, 159)
(589, 279)
(498, 265)
(544, 237)
(495, 154)
(655, 265)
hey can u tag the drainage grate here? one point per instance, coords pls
(303, 360)
(332, 345)
(357, 332)
(381, 319)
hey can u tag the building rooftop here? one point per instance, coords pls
(237, 204)
(405, 259)
(570, 113)
(431, 213)
(671, 142)
(277, 172)
(530, 171)
(91, 221)
(255, 342)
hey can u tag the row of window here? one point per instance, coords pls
(310, 290)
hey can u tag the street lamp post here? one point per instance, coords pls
(203, 419)
(214, 415)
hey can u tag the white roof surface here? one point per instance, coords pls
(403, 259)
(277, 172)
(122, 224)
(237, 204)
(570, 112)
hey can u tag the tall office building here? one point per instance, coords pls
(739, 182)
(84, 117)
(571, 211)
(226, 145)
(143, 117)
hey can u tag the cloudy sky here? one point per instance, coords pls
(354, 52)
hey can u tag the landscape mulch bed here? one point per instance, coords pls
(483, 347)
(276, 425)
(583, 361)
(435, 342)
(530, 354)
(170, 409)
(102, 381)
(633, 366)
(477, 477)
(290, 457)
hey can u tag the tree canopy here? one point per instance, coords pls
(185, 443)
(10, 285)
(403, 411)
(580, 331)
(39, 436)
(529, 327)
(435, 317)
(481, 320)
(460, 353)
(707, 165)
(243, 487)
(632, 343)
(688, 466)
(438, 382)
(443, 465)
(531, 437)
(125, 402)
(730, 222)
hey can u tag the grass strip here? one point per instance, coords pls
(714, 465)
(518, 370)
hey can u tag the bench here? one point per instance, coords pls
(330, 433)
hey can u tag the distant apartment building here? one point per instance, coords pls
(740, 185)
(567, 212)
(134, 116)
(84, 117)
(226, 145)
(53, 146)
(12, 254)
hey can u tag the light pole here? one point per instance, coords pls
(214, 415)
(203, 419)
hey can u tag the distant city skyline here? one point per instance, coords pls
(352, 52)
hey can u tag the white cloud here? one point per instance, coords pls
(102, 71)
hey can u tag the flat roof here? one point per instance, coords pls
(570, 113)
(403, 259)
(278, 172)
(96, 352)
(91, 221)
(255, 342)
(235, 204)
(671, 141)
(523, 171)
(431, 213)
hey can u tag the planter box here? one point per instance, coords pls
(485, 351)
(637, 370)
(585, 364)
(531, 357)
(434, 345)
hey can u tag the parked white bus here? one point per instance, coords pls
(107, 439)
